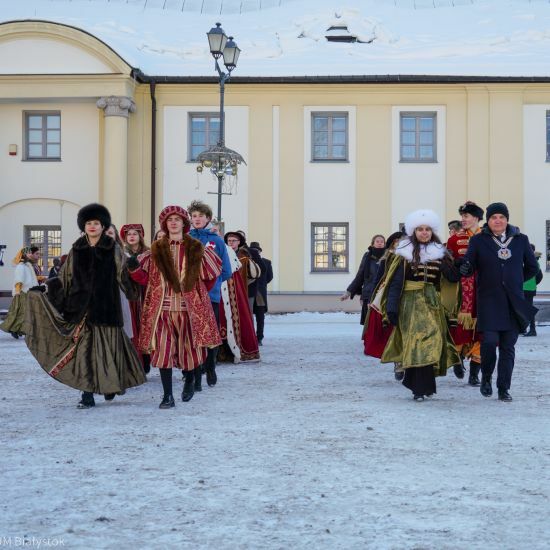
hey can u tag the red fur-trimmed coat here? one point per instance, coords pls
(201, 267)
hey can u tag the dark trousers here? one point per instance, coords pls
(505, 340)
(210, 362)
(259, 312)
(529, 297)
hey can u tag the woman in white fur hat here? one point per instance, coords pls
(421, 342)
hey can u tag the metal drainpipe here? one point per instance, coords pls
(152, 86)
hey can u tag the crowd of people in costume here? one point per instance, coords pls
(429, 306)
(113, 307)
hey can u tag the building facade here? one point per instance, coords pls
(330, 162)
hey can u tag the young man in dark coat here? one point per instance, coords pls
(260, 299)
(365, 280)
(503, 259)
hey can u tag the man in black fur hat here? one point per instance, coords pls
(502, 259)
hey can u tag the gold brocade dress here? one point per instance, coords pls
(84, 356)
(421, 340)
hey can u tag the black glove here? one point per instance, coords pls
(38, 288)
(132, 262)
(393, 317)
(466, 269)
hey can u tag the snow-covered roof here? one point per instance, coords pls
(288, 37)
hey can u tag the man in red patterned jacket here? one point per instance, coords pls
(178, 323)
(464, 334)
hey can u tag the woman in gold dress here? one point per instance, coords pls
(421, 343)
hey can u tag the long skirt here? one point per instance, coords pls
(421, 337)
(15, 318)
(420, 380)
(87, 357)
(375, 334)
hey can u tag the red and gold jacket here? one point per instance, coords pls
(196, 275)
(465, 331)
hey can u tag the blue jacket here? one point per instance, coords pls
(208, 238)
(501, 304)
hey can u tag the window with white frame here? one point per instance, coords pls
(329, 136)
(329, 247)
(48, 239)
(417, 137)
(547, 136)
(204, 132)
(42, 135)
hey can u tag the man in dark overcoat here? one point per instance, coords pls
(260, 299)
(503, 259)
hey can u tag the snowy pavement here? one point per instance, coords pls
(315, 447)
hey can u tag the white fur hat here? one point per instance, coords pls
(421, 217)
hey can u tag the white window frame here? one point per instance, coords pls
(191, 116)
(417, 115)
(330, 115)
(44, 141)
(329, 269)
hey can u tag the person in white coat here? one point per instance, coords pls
(26, 277)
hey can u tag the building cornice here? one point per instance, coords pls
(345, 79)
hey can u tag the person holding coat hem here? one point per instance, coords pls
(503, 259)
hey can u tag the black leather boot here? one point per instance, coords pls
(146, 363)
(486, 387)
(198, 379)
(473, 378)
(211, 376)
(459, 370)
(167, 402)
(87, 401)
(189, 386)
(503, 395)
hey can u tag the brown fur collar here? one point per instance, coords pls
(194, 250)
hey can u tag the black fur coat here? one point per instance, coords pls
(88, 284)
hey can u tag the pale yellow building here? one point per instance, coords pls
(330, 160)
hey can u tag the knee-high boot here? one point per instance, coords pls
(198, 379)
(188, 386)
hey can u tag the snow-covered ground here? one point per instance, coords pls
(315, 447)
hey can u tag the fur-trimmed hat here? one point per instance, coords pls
(236, 234)
(131, 226)
(497, 208)
(172, 210)
(421, 217)
(470, 207)
(93, 211)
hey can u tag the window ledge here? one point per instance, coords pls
(41, 160)
(333, 271)
(325, 161)
(402, 161)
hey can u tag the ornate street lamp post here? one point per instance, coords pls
(220, 160)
